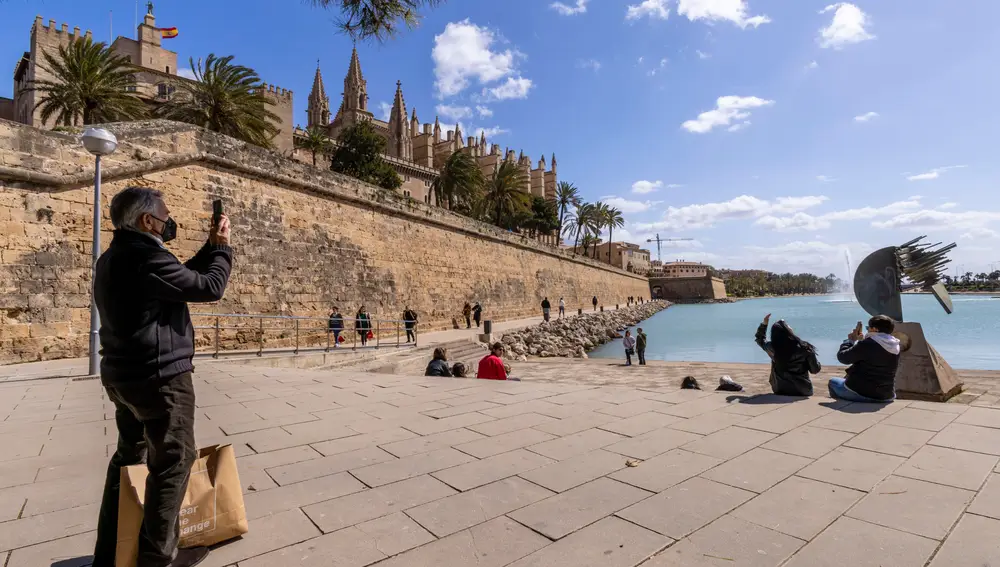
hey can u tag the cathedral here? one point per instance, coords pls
(416, 151)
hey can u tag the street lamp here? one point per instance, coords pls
(98, 142)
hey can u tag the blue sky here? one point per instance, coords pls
(775, 133)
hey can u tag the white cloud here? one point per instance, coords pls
(734, 11)
(932, 174)
(947, 206)
(980, 234)
(663, 62)
(570, 9)
(866, 213)
(652, 9)
(513, 88)
(727, 110)
(738, 127)
(702, 54)
(643, 187)
(385, 109)
(930, 218)
(812, 65)
(795, 220)
(462, 53)
(847, 27)
(866, 117)
(592, 64)
(626, 206)
(491, 132)
(674, 185)
(824, 179)
(483, 111)
(814, 255)
(186, 73)
(743, 207)
(798, 221)
(452, 112)
(640, 59)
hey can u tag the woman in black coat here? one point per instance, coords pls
(792, 359)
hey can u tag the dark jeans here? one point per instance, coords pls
(410, 335)
(468, 323)
(642, 356)
(155, 422)
(628, 358)
(364, 337)
(477, 322)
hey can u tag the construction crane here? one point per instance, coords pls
(659, 241)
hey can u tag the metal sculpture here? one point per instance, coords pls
(879, 279)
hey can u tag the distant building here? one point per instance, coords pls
(156, 74)
(624, 255)
(727, 274)
(682, 269)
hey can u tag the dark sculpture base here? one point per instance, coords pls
(923, 374)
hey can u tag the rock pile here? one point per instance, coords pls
(572, 337)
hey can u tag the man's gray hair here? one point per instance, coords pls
(132, 203)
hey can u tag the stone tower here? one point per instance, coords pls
(400, 142)
(318, 112)
(355, 86)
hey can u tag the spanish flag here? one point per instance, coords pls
(168, 32)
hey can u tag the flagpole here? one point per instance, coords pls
(135, 21)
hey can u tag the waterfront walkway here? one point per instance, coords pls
(353, 469)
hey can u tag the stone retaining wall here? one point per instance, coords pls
(306, 240)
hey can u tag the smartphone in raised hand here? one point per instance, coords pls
(216, 212)
(859, 331)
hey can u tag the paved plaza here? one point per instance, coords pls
(350, 469)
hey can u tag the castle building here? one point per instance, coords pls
(416, 151)
(156, 74)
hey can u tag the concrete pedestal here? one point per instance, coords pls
(923, 374)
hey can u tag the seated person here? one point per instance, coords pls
(491, 367)
(439, 365)
(458, 370)
(873, 361)
(792, 359)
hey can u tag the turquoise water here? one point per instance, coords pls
(968, 338)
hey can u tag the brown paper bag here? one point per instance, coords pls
(212, 510)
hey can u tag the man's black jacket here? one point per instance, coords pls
(142, 292)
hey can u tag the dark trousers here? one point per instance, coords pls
(468, 322)
(477, 322)
(364, 337)
(410, 335)
(155, 425)
(628, 358)
(642, 356)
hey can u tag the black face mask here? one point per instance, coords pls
(169, 231)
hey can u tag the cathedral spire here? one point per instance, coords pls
(458, 136)
(437, 129)
(400, 144)
(355, 86)
(318, 111)
(482, 139)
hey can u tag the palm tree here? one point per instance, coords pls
(504, 196)
(580, 222)
(567, 195)
(224, 98)
(612, 219)
(379, 19)
(91, 83)
(460, 181)
(317, 142)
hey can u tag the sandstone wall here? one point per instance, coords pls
(687, 289)
(305, 239)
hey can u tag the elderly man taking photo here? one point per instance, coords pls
(147, 344)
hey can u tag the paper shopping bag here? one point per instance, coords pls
(212, 510)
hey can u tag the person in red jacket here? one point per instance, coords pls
(491, 367)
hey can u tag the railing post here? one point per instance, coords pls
(328, 333)
(260, 351)
(296, 337)
(378, 328)
(397, 334)
(216, 355)
(354, 335)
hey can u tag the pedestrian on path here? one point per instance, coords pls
(546, 308)
(410, 322)
(141, 291)
(595, 303)
(477, 313)
(640, 346)
(629, 343)
(562, 308)
(467, 313)
(336, 325)
(363, 324)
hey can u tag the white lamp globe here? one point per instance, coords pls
(99, 141)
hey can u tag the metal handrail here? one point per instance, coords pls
(374, 328)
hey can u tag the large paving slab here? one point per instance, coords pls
(352, 469)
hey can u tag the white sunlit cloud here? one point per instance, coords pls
(644, 187)
(847, 27)
(728, 109)
(825, 179)
(812, 65)
(186, 73)
(454, 113)
(464, 53)
(801, 221)
(733, 11)
(483, 111)
(932, 218)
(707, 215)
(980, 233)
(385, 109)
(702, 55)
(580, 7)
(513, 88)
(652, 9)
(592, 64)
(814, 255)
(866, 117)
(627, 206)
(932, 174)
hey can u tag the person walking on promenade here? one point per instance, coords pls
(410, 322)
(562, 308)
(546, 308)
(336, 325)
(595, 303)
(363, 324)
(477, 313)
(792, 359)
(147, 344)
(467, 313)
(629, 343)
(640, 346)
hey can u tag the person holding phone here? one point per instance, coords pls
(792, 359)
(873, 360)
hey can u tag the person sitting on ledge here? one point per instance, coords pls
(491, 367)
(439, 365)
(792, 359)
(458, 370)
(873, 361)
